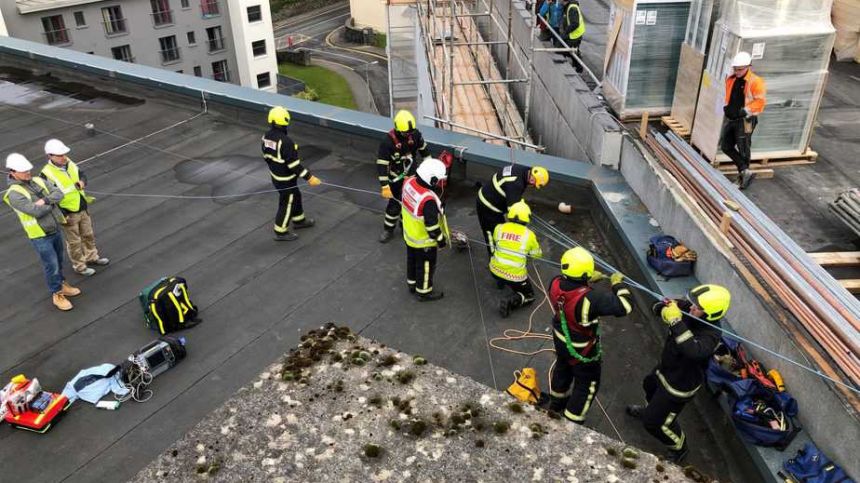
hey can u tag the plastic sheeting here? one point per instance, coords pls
(790, 42)
(703, 13)
(643, 61)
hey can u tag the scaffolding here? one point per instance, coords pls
(465, 76)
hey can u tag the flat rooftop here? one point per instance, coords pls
(256, 296)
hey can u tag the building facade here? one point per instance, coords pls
(226, 40)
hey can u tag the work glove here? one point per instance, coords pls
(671, 313)
(597, 276)
(746, 113)
(314, 181)
(386, 192)
(616, 278)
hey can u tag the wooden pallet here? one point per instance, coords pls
(676, 127)
(772, 160)
(840, 259)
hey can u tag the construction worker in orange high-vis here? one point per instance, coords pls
(745, 101)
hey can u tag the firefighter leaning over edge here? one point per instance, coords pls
(576, 331)
(396, 159)
(681, 370)
(505, 188)
(285, 167)
(424, 228)
(513, 244)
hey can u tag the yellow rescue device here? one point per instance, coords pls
(776, 377)
(525, 386)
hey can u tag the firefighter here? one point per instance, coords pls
(506, 188)
(513, 243)
(396, 159)
(424, 227)
(681, 370)
(577, 307)
(285, 166)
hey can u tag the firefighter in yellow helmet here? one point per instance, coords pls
(505, 188)
(285, 167)
(513, 244)
(681, 370)
(398, 157)
(424, 228)
(577, 307)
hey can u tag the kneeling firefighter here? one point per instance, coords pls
(681, 371)
(424, 227)
(512, 244)
(577, 307)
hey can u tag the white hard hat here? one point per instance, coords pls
(17, 162)
(56, 147)
(431, 171)
(742, 59)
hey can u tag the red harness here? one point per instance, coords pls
(567, 300)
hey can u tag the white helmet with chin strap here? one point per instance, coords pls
(432, 171)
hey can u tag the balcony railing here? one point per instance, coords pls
(216, 45)
(115, 27)
(169, 56)
(209, 8)
(162, 18)
(223, 76)
(58, 37)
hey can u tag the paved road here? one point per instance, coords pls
(320, 32)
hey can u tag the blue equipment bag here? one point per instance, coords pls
(660, 259)
(810, 465)
(762, 416)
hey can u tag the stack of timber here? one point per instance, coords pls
(847, 208)
(846, 19)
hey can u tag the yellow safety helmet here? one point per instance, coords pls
(520, 212)
(541, 176)
(404, 121)
(577, 263)
(279, 116)
(714, 300)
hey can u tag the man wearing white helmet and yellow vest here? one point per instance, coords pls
(681, 370)
(78, 228)
(424, 228)
(513, 244)
(35, 201)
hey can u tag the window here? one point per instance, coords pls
(80, 21)
(123, 52)
(209, 8)
(161, 13)
(258, 47)
(255, 14)
(198, 71)
(185, 4)
(55, 29)
(215, 39)
(264, 80)
(192, 39)
(220, 72)
(113, 21)
(169, 49)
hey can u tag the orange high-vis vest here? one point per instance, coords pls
(754, 92)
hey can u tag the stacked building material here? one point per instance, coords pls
(642, 55)
(847, 208)
(846, 19)
(790, 42)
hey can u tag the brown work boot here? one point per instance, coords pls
(68, 291)
(61, 302)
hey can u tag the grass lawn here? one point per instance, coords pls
(331, 87)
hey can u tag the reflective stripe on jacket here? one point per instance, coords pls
(755, 91)
(29, 222)
(414, 198)
(66, 180)
(513, 243)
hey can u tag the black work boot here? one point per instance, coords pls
(635, 410)
(745, 179)
(386, 235)
(551, 403)
(287, 236)
(430, 296)
(505, 307)
(305, 223)
(411, 287)
(677, 456)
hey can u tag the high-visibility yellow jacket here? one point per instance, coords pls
(573, 16)
(513, 243)
(67, 180)
(422, 215)
(37, 221)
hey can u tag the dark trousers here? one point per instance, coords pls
(289, 205)
(523, 292)
(392, 211)
(575, 44)
(660, 416)
(488, 219)
(736, 142)
(420, 266)
(50, 250)
(585, 378)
